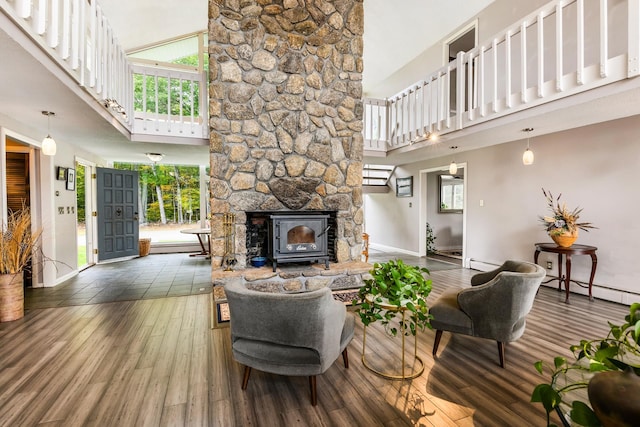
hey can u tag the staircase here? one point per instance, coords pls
(375, 178)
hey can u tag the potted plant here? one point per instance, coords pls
(609, 368)
(563, 224)
(395, 284)
(431, 241)
(17, 244)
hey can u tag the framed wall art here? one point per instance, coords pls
(71, 179)
(61, 173)
(404, 187)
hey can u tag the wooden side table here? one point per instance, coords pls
(201, 233)
(568, 252)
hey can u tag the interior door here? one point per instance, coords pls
(117, 213)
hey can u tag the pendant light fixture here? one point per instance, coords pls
(527, 156)
(48, 144)
(155, 157)
(453, 167)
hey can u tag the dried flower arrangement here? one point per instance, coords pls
(17, 242)
(563, 220)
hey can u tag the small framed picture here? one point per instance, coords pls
(62, 173)
(71, 179)
(404, 187)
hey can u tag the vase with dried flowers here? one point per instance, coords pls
(563, 224)
(17, 245)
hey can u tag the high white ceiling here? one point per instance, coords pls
(396, 31)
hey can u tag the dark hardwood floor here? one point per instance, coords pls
(156, 362)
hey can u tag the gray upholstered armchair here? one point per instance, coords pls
(288, 334)
(494, 307)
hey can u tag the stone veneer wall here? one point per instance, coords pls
(286, 114)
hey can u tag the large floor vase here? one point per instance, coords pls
(11, 297)
(564, 240)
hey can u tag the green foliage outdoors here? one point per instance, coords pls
(611, 353)
(397, 284)
(174, 95)
(179, 187)
(80, 194)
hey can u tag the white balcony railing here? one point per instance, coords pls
(563, 48)
(169, 102)
(77, 35)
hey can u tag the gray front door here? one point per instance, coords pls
(117, 213)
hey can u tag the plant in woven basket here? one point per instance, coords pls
(17, 242)
(395, 284)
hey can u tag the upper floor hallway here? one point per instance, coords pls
(564, 65)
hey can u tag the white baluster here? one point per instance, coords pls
(580, 42)
(559, 49)
(523, 62)
(540, 83)
(53, 35)
(40, 20)
(481, 84)
(604, 39)
(507, 74)
(23, 8)
(494, 48)
(633, 67)
(66, 29)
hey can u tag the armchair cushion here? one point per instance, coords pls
(287, 334)
(448, 315)
(494, 306)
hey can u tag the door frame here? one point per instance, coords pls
(455, 36)
(91, 236)
(423, 218)
(42, 201)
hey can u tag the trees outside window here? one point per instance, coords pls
(169, 199)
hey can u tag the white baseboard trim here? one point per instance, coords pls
(481, 265)
(385, 248)
(66, 277)
(173, 248)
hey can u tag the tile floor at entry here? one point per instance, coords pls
(157, 276)
(153, 276)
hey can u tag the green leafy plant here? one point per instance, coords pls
(395, 283)
(431, 240)
(615, 352)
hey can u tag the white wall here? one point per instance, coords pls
(594, 167)
(66, 223)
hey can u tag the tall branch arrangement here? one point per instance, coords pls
(17, 242)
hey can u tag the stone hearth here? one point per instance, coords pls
(297, 278)
(285, 105)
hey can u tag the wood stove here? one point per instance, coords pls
(299, 237)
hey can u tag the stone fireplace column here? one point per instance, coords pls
(285, 106)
